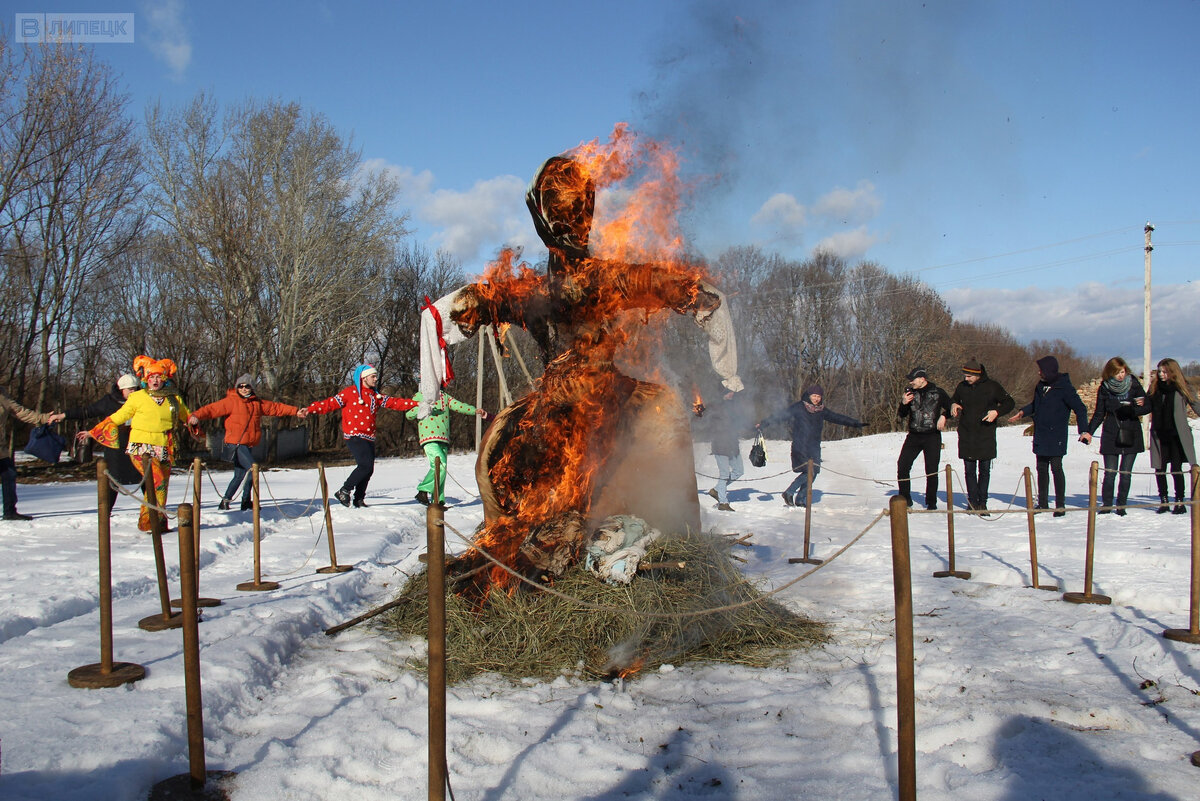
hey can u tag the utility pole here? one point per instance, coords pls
(1146, 367)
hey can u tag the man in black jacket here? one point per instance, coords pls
(926, 406)
(119, 466)
(980, 401)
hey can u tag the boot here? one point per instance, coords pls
(247, 505)
(724, 507)
(1163, 506)
(712, 493)
(223, 505)
(1179, 509)
(343, 496)
(788, 499)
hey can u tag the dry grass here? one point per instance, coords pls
(532, 634)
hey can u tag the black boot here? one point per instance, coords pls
(1179, 509)
(1163, 506)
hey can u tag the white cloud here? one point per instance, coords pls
(843, 205)
(166, 34)
(475, 223)
(850, 245)
(1094, 318)
(415, 188)
(785, 215)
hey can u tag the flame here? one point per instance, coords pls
(552, 443)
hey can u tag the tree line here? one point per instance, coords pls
(252, 239)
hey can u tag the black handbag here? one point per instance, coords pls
(45, 444)
(758, 452)
(1125, 437)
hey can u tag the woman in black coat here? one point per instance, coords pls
(978, 402)
(1171, 442)
(1120, 400)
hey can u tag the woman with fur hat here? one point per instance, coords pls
(1171, 442)
(978, 401)
(359, 404)
(1054, 398)
(244, 412)
(807, 418)
(152, 414)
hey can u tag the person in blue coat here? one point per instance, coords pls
(1054, 398)
(807, 418)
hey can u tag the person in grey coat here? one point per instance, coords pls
(1171, 442)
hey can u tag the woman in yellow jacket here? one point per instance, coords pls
(152, 413)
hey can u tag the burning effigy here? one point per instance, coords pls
(590, 476)
(589, 441)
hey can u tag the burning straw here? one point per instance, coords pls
(531, 634)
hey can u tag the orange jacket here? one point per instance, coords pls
(244, 423)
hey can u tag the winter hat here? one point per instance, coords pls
(814, 389)
(163, 367)
(245, 378)
(973, 368)
(128, 381)
(361, 372)
(917, 372)
(1049, 367)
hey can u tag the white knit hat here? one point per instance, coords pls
(128, 381)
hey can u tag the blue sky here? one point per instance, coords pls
(1007, 153)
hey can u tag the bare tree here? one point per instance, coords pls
(70, 208)
(278, 235)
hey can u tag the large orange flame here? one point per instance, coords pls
(554, 440)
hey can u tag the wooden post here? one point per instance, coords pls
(505, 395)
(195, 784)
(105, 673)
(1192, 633)
(1087, 596)
(479, 389)
(906, 705)
(333, 566)
(257, 585)
(191, 646)
(950, 572)
(197, 467)
(435, 546)
(168, 619)
(806, 559)
(1029, 515)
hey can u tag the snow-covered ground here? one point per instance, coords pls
(1019, 695)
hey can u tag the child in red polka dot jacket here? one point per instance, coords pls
(359, 404)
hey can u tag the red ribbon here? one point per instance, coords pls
(437, 318)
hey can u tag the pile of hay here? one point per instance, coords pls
(534, 634)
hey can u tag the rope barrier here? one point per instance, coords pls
(669, 615)
(112, 482)
(279, 507)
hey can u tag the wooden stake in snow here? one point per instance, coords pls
(1192, 633)
(950, 572)
(106, 672)
(1087, 596)
(906, 704)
